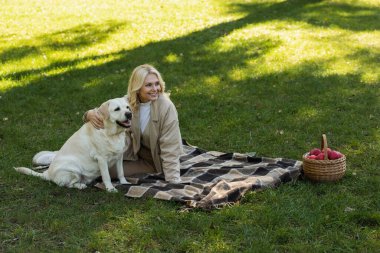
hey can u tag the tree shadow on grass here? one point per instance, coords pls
(226, 111)
(72, 39)
(250, 104)
(194, 62)
(318, 13)
(63, 219)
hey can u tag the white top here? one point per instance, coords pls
(144, 115)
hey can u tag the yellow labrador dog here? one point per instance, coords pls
(90, 152)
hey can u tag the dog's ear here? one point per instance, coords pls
(103, 110)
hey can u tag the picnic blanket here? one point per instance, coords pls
(212, 179)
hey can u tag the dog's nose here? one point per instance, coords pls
(128, 115)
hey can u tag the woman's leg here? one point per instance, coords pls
(134, 167)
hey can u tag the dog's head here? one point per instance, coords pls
(117, 111)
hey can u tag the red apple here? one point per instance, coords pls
(311, 157)
(320, 156)
(315, 151)
(330, 154)
(333, 155)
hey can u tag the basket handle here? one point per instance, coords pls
(324, 146)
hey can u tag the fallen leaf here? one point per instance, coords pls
(349, 209)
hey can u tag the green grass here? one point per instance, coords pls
(268, 76)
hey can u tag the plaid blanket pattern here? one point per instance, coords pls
(212, 179)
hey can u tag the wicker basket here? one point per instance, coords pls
(324, 170)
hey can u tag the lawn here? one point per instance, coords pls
(264, 76)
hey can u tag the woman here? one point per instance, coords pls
(156, 139)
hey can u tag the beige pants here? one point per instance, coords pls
(143, 165)
(134, 167)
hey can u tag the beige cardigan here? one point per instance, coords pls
(165, 138)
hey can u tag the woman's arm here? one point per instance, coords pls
(171, 146)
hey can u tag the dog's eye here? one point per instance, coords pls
(128, 108)
(117, 109)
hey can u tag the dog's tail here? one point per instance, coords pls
(30, 172)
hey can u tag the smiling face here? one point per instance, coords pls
(120, 112)
(150, 89)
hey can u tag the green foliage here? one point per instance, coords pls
(264, 76)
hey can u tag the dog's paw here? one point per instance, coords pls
(113, 189)
(124, 181)
(79, 186)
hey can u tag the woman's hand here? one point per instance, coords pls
(95, 118)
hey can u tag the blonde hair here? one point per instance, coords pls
(136, 81)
